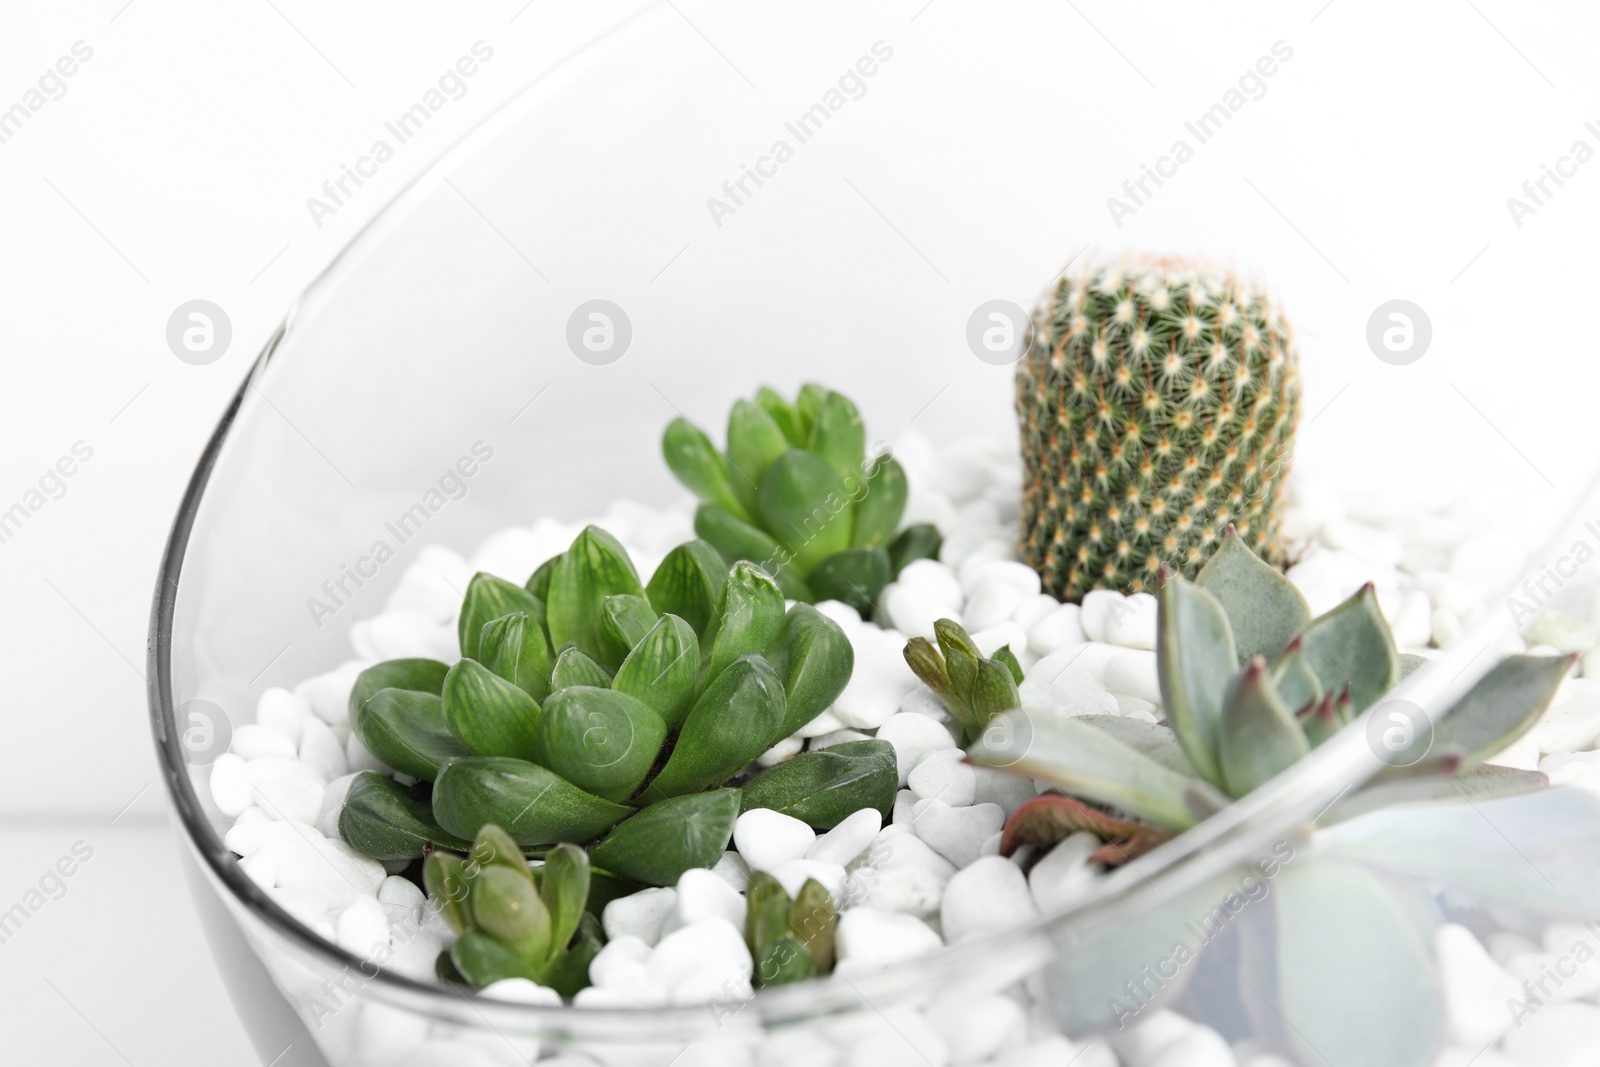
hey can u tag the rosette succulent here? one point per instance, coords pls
(1250, 684)
(1157, 403)
(797, 491)
(592, 708)
(789, 940)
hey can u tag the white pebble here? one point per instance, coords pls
(332, 805)
(823, 724)
(1096, 611)
(957, 834)
(1150, 1035)
(992, 604)
(1476, 987)
(402, 892)
(1200, 1047)
(934, 581)
(780, 751)
(251, 742)
(767, 838)
(1446, 627)
(838, 737)
(1005, 635)
(1559, 1035)
(1051, 1051)
(899, 1037)
(427, 592)
(870, 939)
(521, 991)
(1002, 572)
(793, 874)
(1003, 788)
(986, 896)
(400, 635)
(905, 808)
(732, 868)
(944, 775)
(899, 846)
(362, 928)
(1491, 559)
(1063, 875)
(1383, 547)
(907, 889)
(878, 683)
(640, 914)
(1413, 623)
(613, 965)
(913, 736)
(1058, 629)
(320, 751)
(329, 694)
(974, 1027)
(280, 710)
(286, 788)
(700, 962)
(230, 785)
(1134, 673)
(1033, 610)
(702, 894)
(911, 612)
(1132, 623)
(849, 839)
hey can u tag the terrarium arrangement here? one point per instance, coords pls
(855, 704)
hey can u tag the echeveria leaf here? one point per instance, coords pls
(918, 541)
(595, 567)
(1500, 708)
(669, 837)
(825, 787)
(804, 504)
(855, 576)
(736, 540)
(531, 803)
(699, 466)
(516, 648)
(878, 512)
(748, 620)
(1259, 737)
(487, 714)
(737, 718)
(487, 599)
(574, 668)
(783, 414)
(687, 583)
(755, 440)
(624, 620)
(1195, 660)
(1297, 684)
(839, 438)
(1153, 740)
(1089, 763)
(1321, 721)
(419, 675)
(564, 888)
(1264, 609)
(601, 741)
(382, 820)
(1410, 663)
(815, 659)
(406, 730)
(506, 907)
(1351, 647)
(662, 670)
(1332, 920)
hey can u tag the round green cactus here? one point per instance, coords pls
(1158, 404)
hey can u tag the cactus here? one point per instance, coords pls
(1157, 403)
(797, 492)
(592, 708)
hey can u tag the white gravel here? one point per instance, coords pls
(932, 876)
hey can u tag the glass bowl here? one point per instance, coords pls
(451, 334)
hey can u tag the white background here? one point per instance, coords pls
(178, 163)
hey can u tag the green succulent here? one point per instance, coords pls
(789, 940)
(592, 708)
(1251, 684)
(973, 688)
(797, 492)
(1157, 405)
(514, 921)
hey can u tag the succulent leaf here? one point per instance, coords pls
(784, 414)
(1351, 646)
(516, 648)
(669, 837)
(748, 620)
(736, 540)
(1297, 684)
(507, 908)
(804, 503)
(878, 511)
(695, 462)
(825, 787)
(564, 889)
(1050, 818)
(735, 720)
(808, 405)
(1265, 610)
(531, 803)
(687, 583)
(624, 620)
(487, 599)
(487, 714)
(405, 730)
(1195, 660)
(662, 670)
(839, 438)
(418, 675)
(382, 820)
(855, 576)
(755, 441)
(767, 910)
(444, 876)
(1501, 707)
(918, 541)
(574, 668)
(1259, 737)
(538, 582)
(1154, 741)
(483, 961)
(595, 567)
(602, 741)
(1088, 763)
(815, 660)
